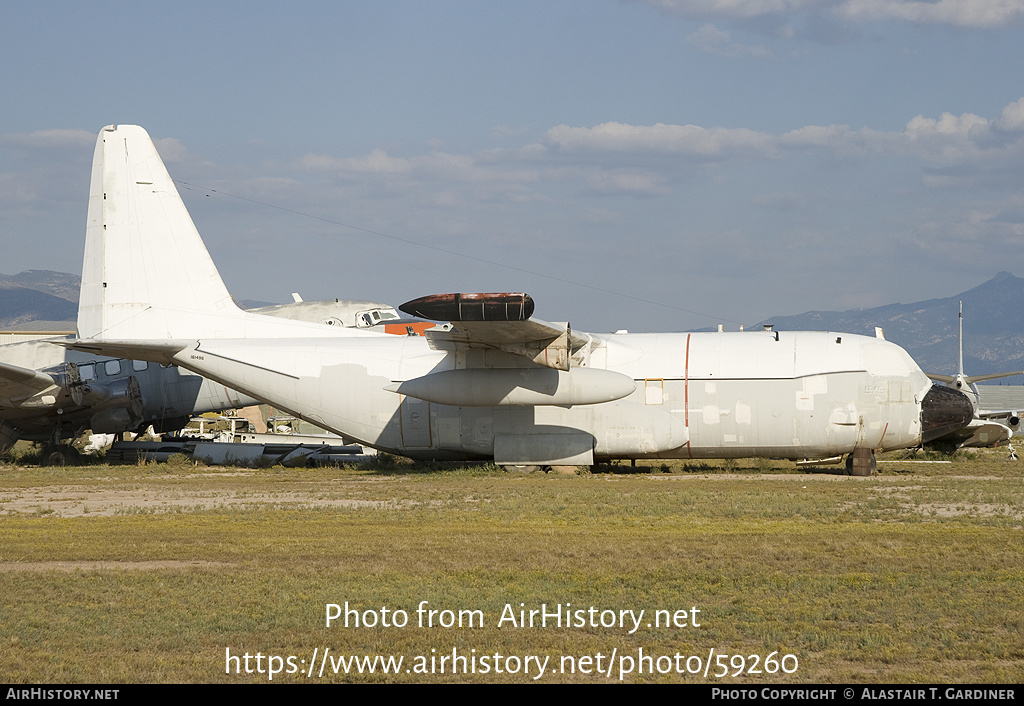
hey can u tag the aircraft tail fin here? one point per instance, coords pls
(147, 273)
(144, 259)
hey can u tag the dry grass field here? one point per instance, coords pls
(174, 573)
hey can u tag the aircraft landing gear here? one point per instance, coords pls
(59, 455)
(861, 463)
(526, 469)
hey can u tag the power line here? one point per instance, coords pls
(446, 251)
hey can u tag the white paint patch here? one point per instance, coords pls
(709, 388)
(884, 359)
(653, 393)
(812, 385)
(711, 414)
(842, 415)
(804, 402)
(742, 413)
(816, 385)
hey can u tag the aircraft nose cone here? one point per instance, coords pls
(944, 410)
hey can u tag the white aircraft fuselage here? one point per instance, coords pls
(511, 388)
(697, 395)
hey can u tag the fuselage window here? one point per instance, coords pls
(139, 365)
(87, 371)
(112, 367)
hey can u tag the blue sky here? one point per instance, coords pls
(650, 165)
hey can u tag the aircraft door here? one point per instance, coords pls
(416, 423)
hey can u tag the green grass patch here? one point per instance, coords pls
(909, 576)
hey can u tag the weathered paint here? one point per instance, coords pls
(150, 287)
(107, 395)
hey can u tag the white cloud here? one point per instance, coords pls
(692, 140)
(171, 150)
(436, 165)
(734, 9)
(960, 13)
(49, 139)
(839, 140)
(947, 124)
(377, 162)
(647, 160)
(949, 139)
(712, 40)
(1012, 117)
(628, 182)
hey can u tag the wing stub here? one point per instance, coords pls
(504, 306)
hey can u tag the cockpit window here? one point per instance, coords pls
(112, 367)
(372, 317)
(87, 371)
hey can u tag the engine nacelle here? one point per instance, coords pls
(495, 387)
(118, 406)
(67, 391)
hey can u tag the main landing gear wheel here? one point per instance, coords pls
(60, 455)
(861, 463)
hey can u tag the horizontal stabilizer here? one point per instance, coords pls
(156, 351)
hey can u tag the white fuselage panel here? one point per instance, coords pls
(697, 395)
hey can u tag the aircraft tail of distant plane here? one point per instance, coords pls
(147, 273)
(967, 383)
(989, 427)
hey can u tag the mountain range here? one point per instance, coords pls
(993, 320)
(993, 327)
(34, 300)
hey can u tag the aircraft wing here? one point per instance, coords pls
(970, 379)
(980, 432)
(17, 383)
(499, 322)
(1009, 418)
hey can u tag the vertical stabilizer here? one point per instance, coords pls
(143, 254)
(967, 384)
(147, 273)
(960, 343)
